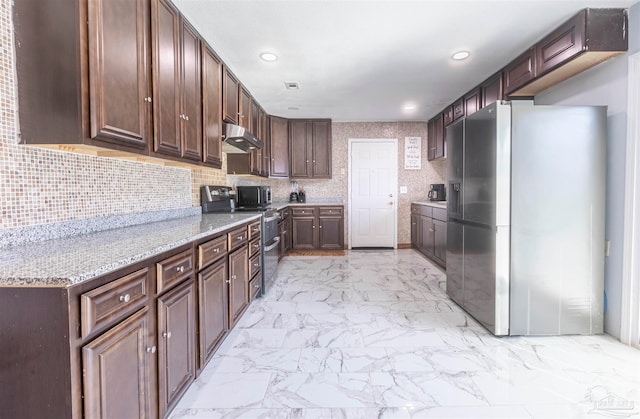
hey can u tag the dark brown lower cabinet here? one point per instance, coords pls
(176, 343)
(429, 232)
(320, 227)
(213, 308)
(238, 283)
(118, 370)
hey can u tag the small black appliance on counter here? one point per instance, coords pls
(436, 192)
(253, 196)
(216, 199)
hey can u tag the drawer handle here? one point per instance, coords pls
(152, 349)
(256, 265)
(239, 237)
(166, 335)
(180, 269)
(256, 246)
(125, 298)
(228, 281)
(216, 250)
(256, 286)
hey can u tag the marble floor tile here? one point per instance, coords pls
(372, 334)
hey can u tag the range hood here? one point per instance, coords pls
(237, 139)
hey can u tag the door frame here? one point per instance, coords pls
(630, 316)
(349, 194)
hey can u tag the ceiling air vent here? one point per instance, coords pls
(292, 85)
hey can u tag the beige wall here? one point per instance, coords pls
(417, 181)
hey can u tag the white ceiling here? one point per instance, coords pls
(360, 60)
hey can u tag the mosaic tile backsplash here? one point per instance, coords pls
(40, 186)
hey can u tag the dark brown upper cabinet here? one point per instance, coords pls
(520, 71)
(589, 38)
(458, 109)
(177, 89)
(96, 89)
(310, 148)
(491, 89)
(436, 138)
(244, 108)
(472, 102)
(447, 115)
(211, 108)
(279, 145)
(230, 94)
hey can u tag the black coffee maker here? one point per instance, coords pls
(437, 192)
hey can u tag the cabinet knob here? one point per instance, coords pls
(125, 298)
(233, 277)
(166, 335)
(180, 269)
(147, 99)
(256, 286)
(320, 227)
(227, 281)
(239, 237)
(314, 227)
(152, 349)
(256, 265)
(216, 250)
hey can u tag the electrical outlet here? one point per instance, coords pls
(403, 189)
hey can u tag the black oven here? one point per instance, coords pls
(253, 196)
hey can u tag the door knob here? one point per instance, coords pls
(390, 202)
(390, 195)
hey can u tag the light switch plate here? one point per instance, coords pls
(403, 189)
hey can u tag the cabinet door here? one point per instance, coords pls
(491, 89)
(211, 108)
(428, 235)
(330, 233)
(303, 233)
(439, 139)
(166, 84)
(561, 45)
(458, 109)
(118, 372)
(191, 108)
(213, 308)
(472, 102)
(431, 138)
(265, 135)
(176, 343)
(230, 94)
(520, 71)
(254, 126)
(238, 283)
(299, 143)
(415, 231)
(279, 147)
(321, 149)
(440, 240)
(447, 115)
(119, 72)
(244, 109)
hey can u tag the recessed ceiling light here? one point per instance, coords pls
(461, 55)
(268, 56)
(292, 85)
(409, 107)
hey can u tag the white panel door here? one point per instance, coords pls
(373, 184)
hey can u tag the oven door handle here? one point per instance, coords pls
(268, 220)
(276, 240)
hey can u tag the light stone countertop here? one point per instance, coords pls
(68, 261)
(434, 204)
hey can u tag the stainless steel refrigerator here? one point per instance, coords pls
(526, 207)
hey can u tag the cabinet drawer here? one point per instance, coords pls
(440, 214)
(337, 211)
(303, 212)
(426, 210)
(174, 270)
(253, 230)
(211, 251)
(237, 237)
(254, 247)
(105, 305)
(416, 209)
(254, 288)
(254, 265)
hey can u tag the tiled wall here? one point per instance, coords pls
(417, 181)
(39, 186)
